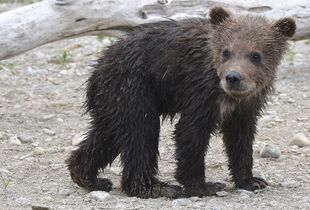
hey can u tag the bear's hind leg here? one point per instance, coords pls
(94, 153)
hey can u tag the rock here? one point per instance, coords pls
(290, 184)
(99, 195)
(269, 151)
(29, 71)
(60, 120)
(291, 101)
(65, 192)
(195, 199)
(35, 207)
(26, 138)
(48, 117)
(258, 174)
(180, 202)
(259, 145)
(221, 193)
(48, 198)
(26, 156)
(1, 135)
(22, 201)
(15, 140)
(242, 191)
(244, 194)
(77, 139)
(300, 140)
(39, 151)
(4, 171)
(35, 144)
(49, 132)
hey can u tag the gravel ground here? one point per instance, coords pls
(40, 112)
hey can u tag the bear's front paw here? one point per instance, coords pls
(201, 189)
(253, 184)
(103, 184)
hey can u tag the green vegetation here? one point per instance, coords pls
(64, 58)
(290, 56)
(307, 41)
(100, 37)
(11, 68)
(5, 182)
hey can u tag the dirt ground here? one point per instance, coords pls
(40, 111)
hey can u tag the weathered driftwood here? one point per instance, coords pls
(28, 27)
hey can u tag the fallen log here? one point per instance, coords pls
(34, 25)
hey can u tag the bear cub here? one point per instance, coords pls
(215, 73)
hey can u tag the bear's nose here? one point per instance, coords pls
(233, 78)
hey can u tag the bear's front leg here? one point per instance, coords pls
(192, 138)
(238, 134)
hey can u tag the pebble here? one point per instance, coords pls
(15, 140)
(195, 199)
(60, 120)
(99, 195)
(269, 151)
(299, 140)
(65, 192)
(290, 184)
(242, 191)
(180, 202)
(26, 138)
(49, 132)
(164, 2)
(221, 193)
(23, 201)
(29, 71)
(259, 174)
(1, 135)
(26, 156)
(244, 194)
(77, 139)
(64, 72)
(48, 117)
(4, 171)
(35, 207)
(39, 150)
(259, 144)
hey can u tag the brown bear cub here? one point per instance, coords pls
(214, 73)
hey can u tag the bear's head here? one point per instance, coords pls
(246, 50)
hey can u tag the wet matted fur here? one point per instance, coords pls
(169, 68)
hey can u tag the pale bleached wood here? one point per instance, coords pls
(31, 26)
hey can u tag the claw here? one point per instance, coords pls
(204, 189)
(254, 183)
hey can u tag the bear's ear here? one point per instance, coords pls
(286, 26)
(218, 15)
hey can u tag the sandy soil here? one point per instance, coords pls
(40, 112)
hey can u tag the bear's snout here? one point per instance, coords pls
(233, 79)
(237, 84)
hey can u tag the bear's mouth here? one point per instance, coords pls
(239, 92)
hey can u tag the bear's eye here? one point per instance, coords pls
(226, 54)
(256, 57)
